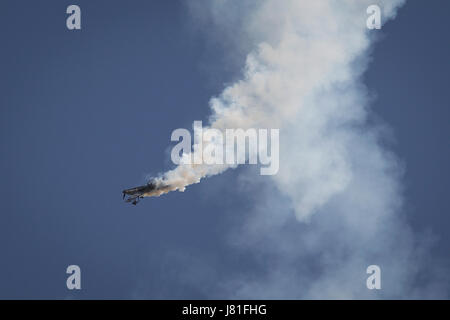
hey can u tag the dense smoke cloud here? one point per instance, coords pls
(335, 206)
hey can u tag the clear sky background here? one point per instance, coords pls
(86, 114)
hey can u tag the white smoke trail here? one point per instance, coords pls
(301, 74)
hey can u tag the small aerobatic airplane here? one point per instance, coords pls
(135, 194)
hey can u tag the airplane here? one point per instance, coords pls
(135, 194)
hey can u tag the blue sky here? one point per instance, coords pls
(85, 114)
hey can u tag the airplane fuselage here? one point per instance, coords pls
(134, 194)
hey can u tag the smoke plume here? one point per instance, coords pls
(302, 76)
(336, 205)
